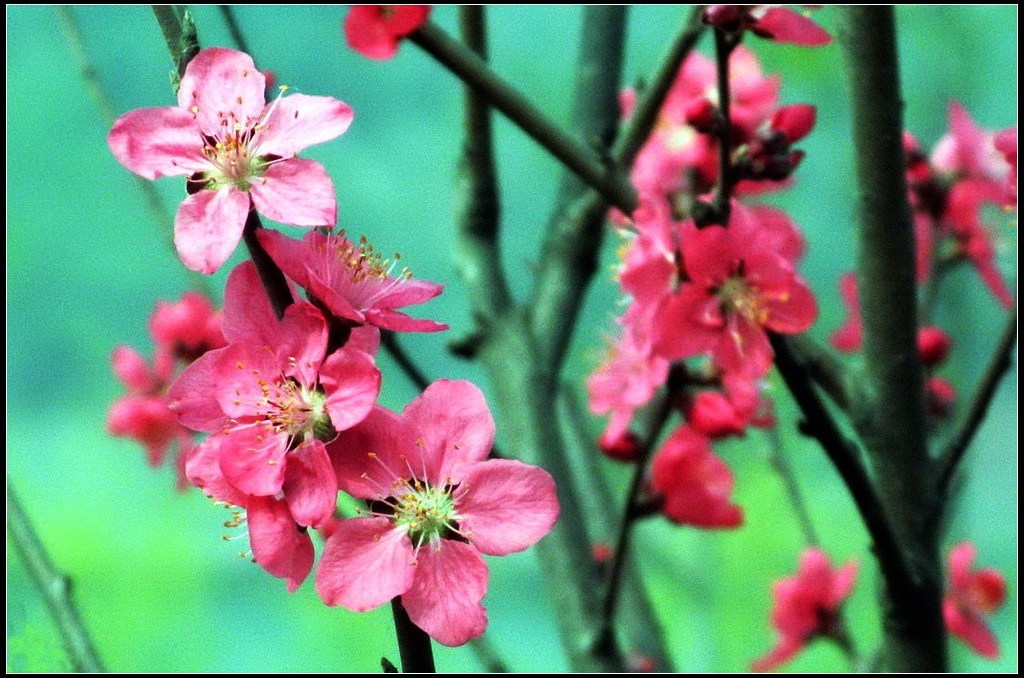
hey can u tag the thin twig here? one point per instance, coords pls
(54, 587)
(73, 34)
(960, 442)
(604, 177)
(389, 340)
(180, 34)
(823, 367)
(274, 282)
(645, 115)
(228, 12)
(613, 586)
(777, 458)
(818, 422)
(724, 46)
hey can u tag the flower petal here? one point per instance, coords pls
(298, 121)
(444, 599)
(310, 486)
(253, 458)
(364, 455)
(222, 87)
(279, 546)
(506, 506)
(297, 192)
(453, 426)
(248, 316)
(158, 142)
(202, 468)
(194, 395)
(786, 26)
(352, 383)
(970, 628)
(400, 322)
(208, 227)
(366, 562)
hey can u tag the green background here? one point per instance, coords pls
(86, 262)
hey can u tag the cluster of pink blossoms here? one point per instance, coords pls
(289, 401)
(700, 289)
(968, 170)
(182, 332)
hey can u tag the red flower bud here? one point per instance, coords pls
(622, 448)
(933, 345)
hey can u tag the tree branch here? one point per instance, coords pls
(228, 12)
(823, 367)
(180, 35)
(53, 587)
(893, 428)
(606, 178)
(960, 441)
(477, 248)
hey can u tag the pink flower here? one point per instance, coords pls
(1006, 143)
(277, 543)
(767, 21)
(188, 328)
(626, 381)
(962, 220)
(694, 483)
(740, 284)
(273, 398)
(237, 151)
(967, 150)
(353, 282)
(375, 30)
(437, 503)
(143, 413)
(807, 606)
(972, 597)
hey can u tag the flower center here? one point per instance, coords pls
(427, 512)
(298, 412)
(364, 262)
(231, 154)
(737, 296)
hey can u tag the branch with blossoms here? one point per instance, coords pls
(270, 405)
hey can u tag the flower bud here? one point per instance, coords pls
(933, 345)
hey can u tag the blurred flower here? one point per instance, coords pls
(807, 606)
(768, 21)
(354, 282)
(437, 504)
(849, 337)
(933, 345)
(972, 596)
(375, 30)
(238, 152)
(187, 328)
(696, 486)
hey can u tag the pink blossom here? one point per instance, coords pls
(967, 150)
(717, 414)
(437, 504)
(143, 413)
(354, 282)
(940, 397)
(807, 606)
(1006, 143)
(695, 484)
(972, 597)
(277, 543)
(375, 30)
(626, 381)
(962, 220)
(273, 398)
(770, 22)
(188, 328)
(740, 285)
(238, 152)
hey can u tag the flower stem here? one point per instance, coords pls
(960, 441)
(274, 282)
(228, 12)
(724, 45)
(414, 648)
(604, 177)
(605, 638)
(180, 35)
(778, 460)
(53, 586)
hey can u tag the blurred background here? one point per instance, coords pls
(87, 260)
